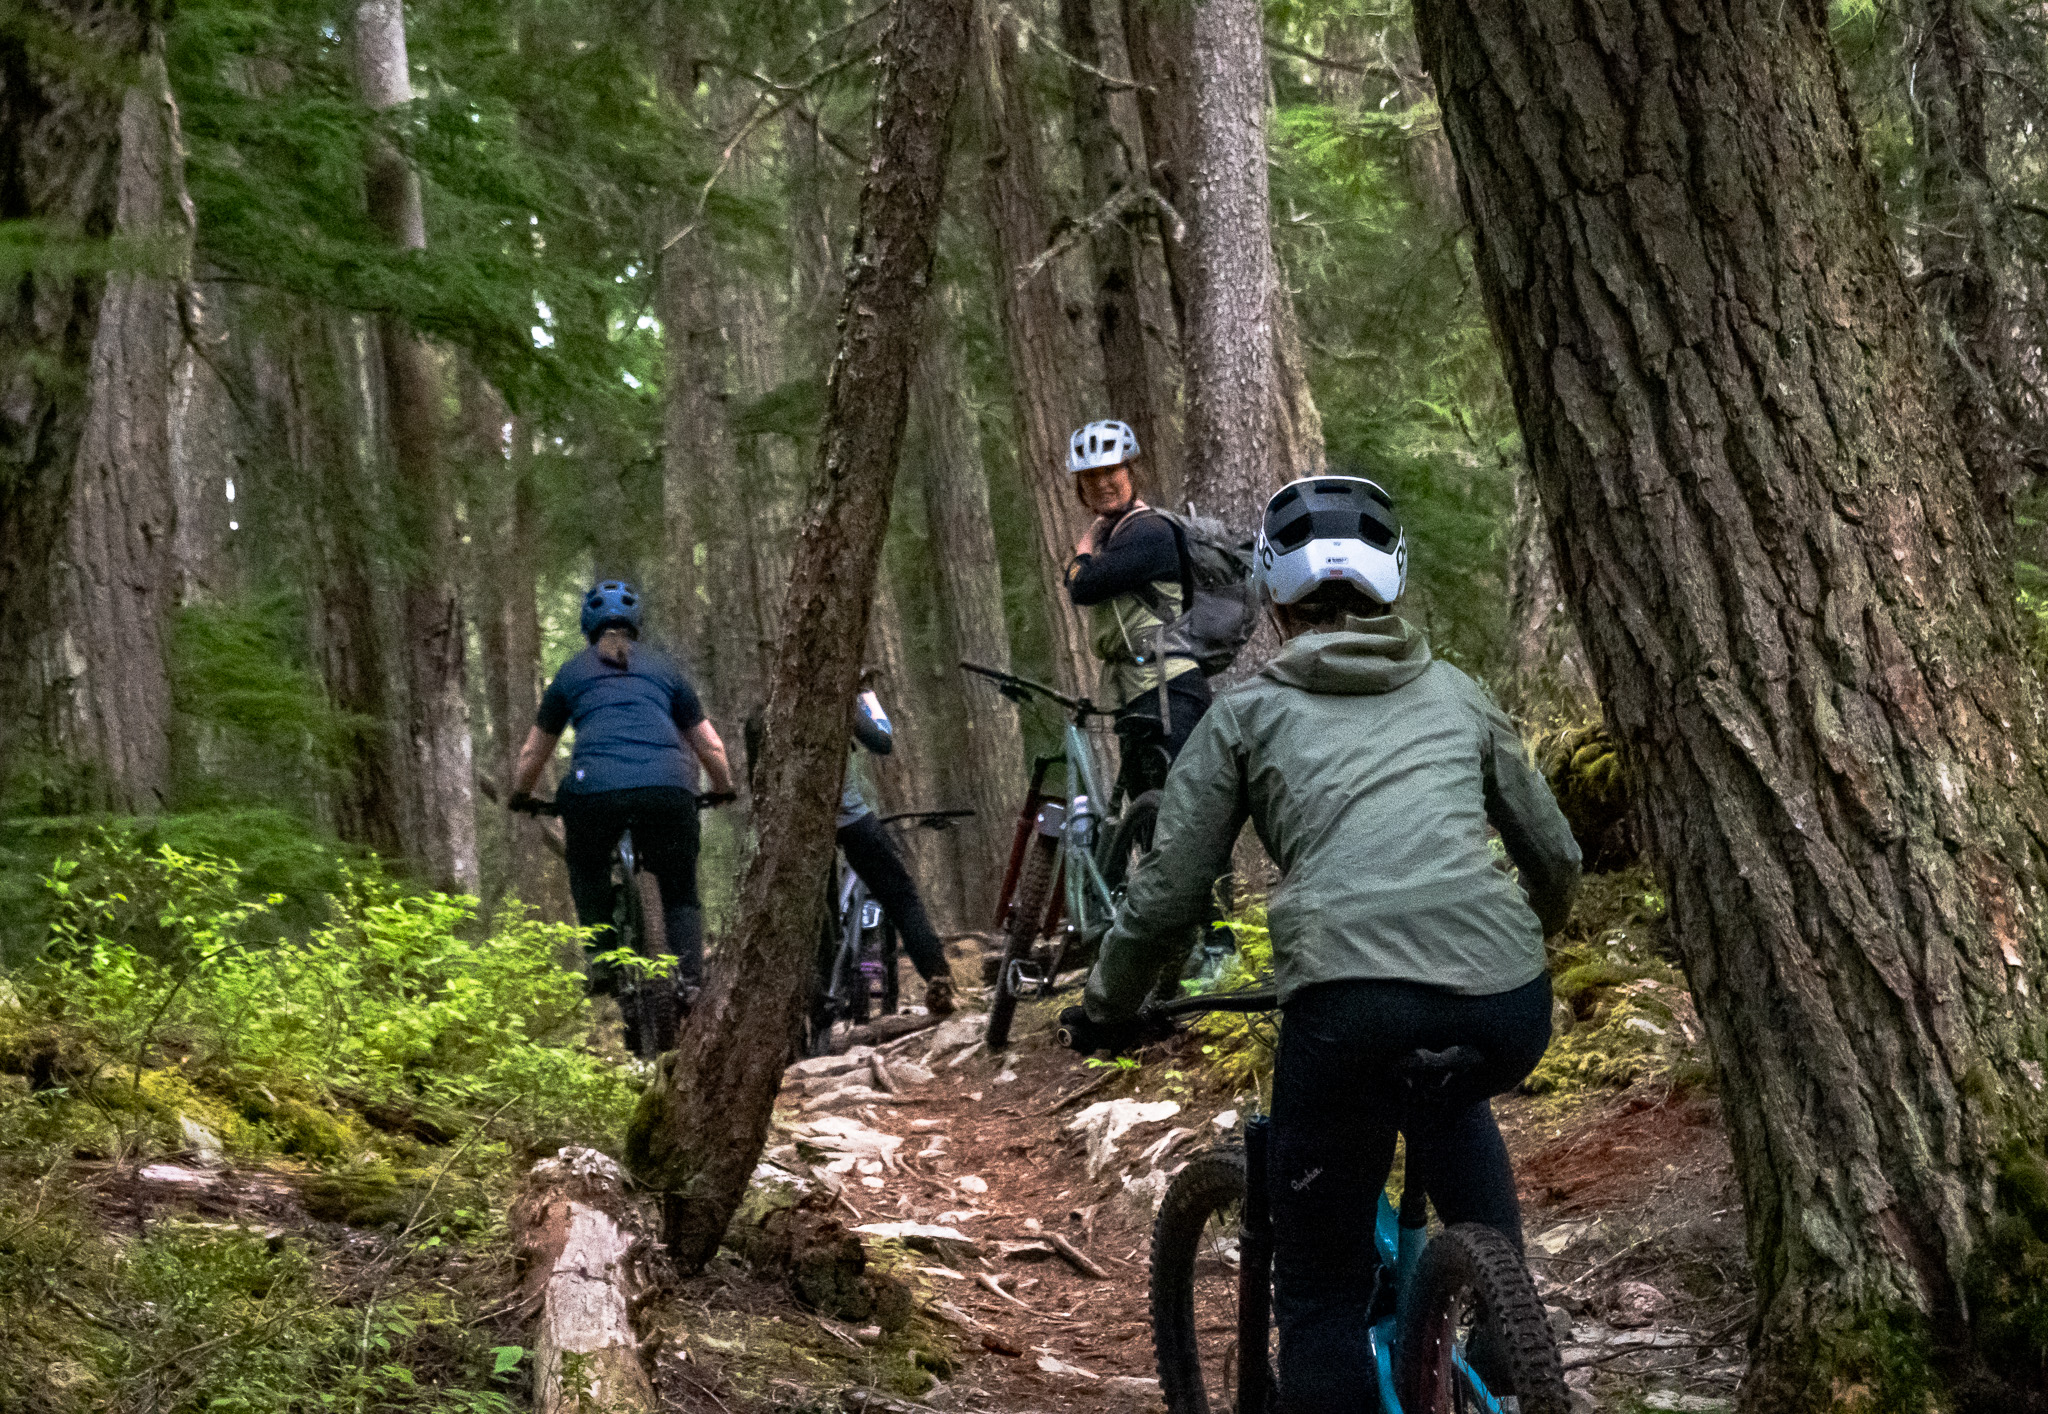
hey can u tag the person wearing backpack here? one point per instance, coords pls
(1128, 572)
(1371, 771)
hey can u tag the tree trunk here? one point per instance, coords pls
(117, 581)
(1134, 393)
(700, 1125)
(440, 817)
(1968, 302)
(1044, 349)
(1159, 40)
(578, 1237)
(697, 452)
(913, 775)
(969, 582)
(1229, 266)
(60, 166)
(1801, 629)
(1546, 669)
(329, 417)
(1252, 422)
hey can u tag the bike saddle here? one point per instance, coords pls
(1434, 1070)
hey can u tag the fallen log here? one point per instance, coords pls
(577, 1235)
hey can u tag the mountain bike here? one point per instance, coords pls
(1070, 858)
(857, 968)
(651, 1006)
(1455, 1325)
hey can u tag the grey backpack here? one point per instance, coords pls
(1220, 604)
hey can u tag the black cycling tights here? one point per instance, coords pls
(871, 855)
(1336, 1108)
(663, 820)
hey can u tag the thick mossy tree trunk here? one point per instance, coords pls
(60, 168)
(1803, 632)
(1046, 355)
(440, 819)
(117, 580)
(699, 1128)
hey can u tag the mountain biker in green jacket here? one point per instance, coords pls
(1371, 772)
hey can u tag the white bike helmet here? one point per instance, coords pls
(1331, 527)
(1101, 444)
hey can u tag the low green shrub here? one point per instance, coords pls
(160, 961)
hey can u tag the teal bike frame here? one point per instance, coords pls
(1076, 821)
(1399, 1236)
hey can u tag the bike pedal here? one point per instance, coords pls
(1025, 975)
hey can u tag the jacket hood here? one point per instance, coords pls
(1364, 658)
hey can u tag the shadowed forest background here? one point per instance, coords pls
(349, 345)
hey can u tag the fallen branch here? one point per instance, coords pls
(991, 1283)
(1079, 1260)
(574, 1230)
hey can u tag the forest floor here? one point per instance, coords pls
(358, 1251)
(1635, 1235)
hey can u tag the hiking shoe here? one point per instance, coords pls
(938, 995)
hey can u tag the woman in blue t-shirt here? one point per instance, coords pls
(640, 736)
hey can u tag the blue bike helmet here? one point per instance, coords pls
(611, 601)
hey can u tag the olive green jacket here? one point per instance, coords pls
(1371, 773)
(1124, 631)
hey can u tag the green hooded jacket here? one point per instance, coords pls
(1371, 773)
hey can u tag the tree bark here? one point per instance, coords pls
(60, 165)
(578, 1237)
(1045, 351)
(1252, 421)
(117, 582)
(1229, 267)
(440, 818)
(697, 452)
(1546, 669)
(1964, 262)
(969, 582)
(329, 415)
(1135, 393)
(700, 1125)
(1800, 626)
(913, 776)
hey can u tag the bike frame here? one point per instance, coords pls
(1081, 894)
(1399, 1238)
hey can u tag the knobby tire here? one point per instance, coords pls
(1211, 1186)
(1020, 934)
(1470, 1268)
(659, 1009)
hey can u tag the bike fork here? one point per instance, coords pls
(1255, 1392)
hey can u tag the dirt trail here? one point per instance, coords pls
(1635, 1235)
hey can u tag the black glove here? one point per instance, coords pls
(523, 803)
(1079, 1033)
(716, 797)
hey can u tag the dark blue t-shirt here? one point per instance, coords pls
(629, 722)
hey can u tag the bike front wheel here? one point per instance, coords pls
(1474, 1328)
(1208, 1364)
(1020, 935)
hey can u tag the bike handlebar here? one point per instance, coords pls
(534, 805)
(1154, 1021)
(1022, 689)
(928, 819)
